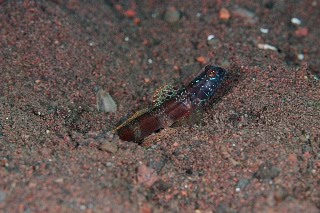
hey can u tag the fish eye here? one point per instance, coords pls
(211, 73)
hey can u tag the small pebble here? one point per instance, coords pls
(210, 37)
(91, 43)
(59, 180)
(247, 16)
(95, 88)
(264, 30)
(296, 21)
(300, 56)
(109, 147)
(201, 59)
(146, 80)
(267, 47)
(104, 102)
(172, 15)
(136, 20)
(224, 14)
(242, 182)
(303, 31)
(129, 13)
(211, 40)
(266, 172)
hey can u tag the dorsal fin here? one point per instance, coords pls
(163, 93)
(131, 118)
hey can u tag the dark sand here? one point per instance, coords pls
(257, 148)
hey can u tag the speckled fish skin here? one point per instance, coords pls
(187, 99)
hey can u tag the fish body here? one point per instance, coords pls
(180, 104)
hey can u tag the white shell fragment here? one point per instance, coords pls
(210, 37)
(300, 56)
(267, 47)
(105, 103)
(296, 21)
(264, 30)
